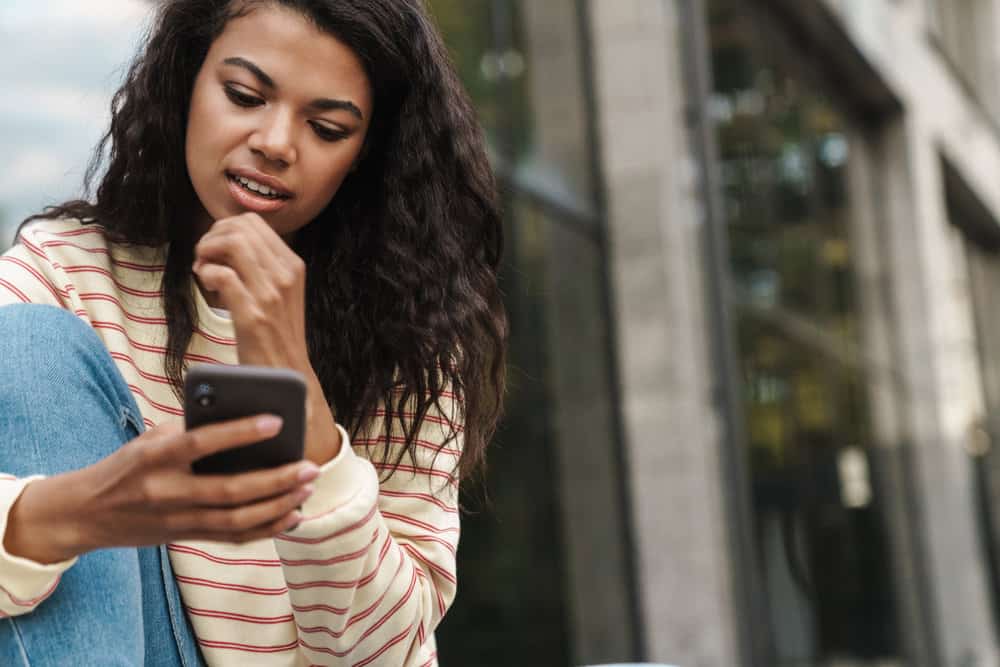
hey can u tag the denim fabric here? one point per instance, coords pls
(64, 406)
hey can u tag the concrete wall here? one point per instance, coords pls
(671, 431)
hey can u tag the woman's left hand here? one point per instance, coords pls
(261, 281)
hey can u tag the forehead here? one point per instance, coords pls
(301, 58)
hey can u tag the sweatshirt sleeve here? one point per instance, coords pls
(371, 568)
(24, 584)
(27, 275)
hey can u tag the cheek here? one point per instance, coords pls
(210, 127)
(326, 181)
(197, 134)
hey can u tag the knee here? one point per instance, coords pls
(47, 346)
(32, 333)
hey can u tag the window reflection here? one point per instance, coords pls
(521, 63)
(784, 152)
(983, 259)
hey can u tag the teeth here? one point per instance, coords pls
(256, 187)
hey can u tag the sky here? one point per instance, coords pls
(60, 62)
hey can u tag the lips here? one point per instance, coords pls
(257, 192)
(271, 182)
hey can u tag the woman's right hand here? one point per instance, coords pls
(145, 494)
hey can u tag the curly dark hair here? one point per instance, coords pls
(402, 265)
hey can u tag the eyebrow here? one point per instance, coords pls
(320, 104)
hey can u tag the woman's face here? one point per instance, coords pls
(278, 118)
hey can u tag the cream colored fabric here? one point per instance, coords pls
(368, 574)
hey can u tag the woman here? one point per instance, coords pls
(294, 183)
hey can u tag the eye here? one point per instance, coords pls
(327, 133)
(242, 99)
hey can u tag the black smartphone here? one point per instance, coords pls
(214, 393)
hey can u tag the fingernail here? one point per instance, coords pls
(308, 473)
(269, 424)
(306, 491)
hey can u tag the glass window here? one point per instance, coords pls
(820, 534)
(983, 443)
(552, 477)
(59, 62)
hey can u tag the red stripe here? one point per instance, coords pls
(250, 648)
(99, 231)
(388, 645)
(184, 549)
(335, 559)
(323, 538)
(430, 472)
(89, 268)
(260, 620)
(378, 624)
(434, 419)
(441, 572)
(59, 295)
(341, 654)
(444, 394)
(430, 538)
(432, 659)
(208, 583)
(338, 611)
(357, 583)
(151, 268)
(162, 407)
(15, 291)
(402, 518)
(399, 440)
(121, 356)
(361, 615)
(149, 348)
(99, 296)
(392, 612)
(420, 496)
(81, 231)
(31, 602)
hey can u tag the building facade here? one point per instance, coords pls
(753, 260)
(753, 267)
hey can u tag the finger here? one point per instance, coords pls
(286, 261)
(234, 490)
(204, 440)
(261, 259)
(225, 280)
(154, 445)
(282, 525)
(240, 519)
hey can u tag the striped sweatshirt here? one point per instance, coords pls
(363, 580)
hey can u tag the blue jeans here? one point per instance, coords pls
(64, 406)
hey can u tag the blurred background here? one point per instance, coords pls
(752, 268)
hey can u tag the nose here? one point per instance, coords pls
(274, 138)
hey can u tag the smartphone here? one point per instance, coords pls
(214, 393)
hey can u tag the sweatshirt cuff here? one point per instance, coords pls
(24, 580)
(340, 479)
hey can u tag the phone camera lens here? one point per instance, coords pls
(204, 396)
